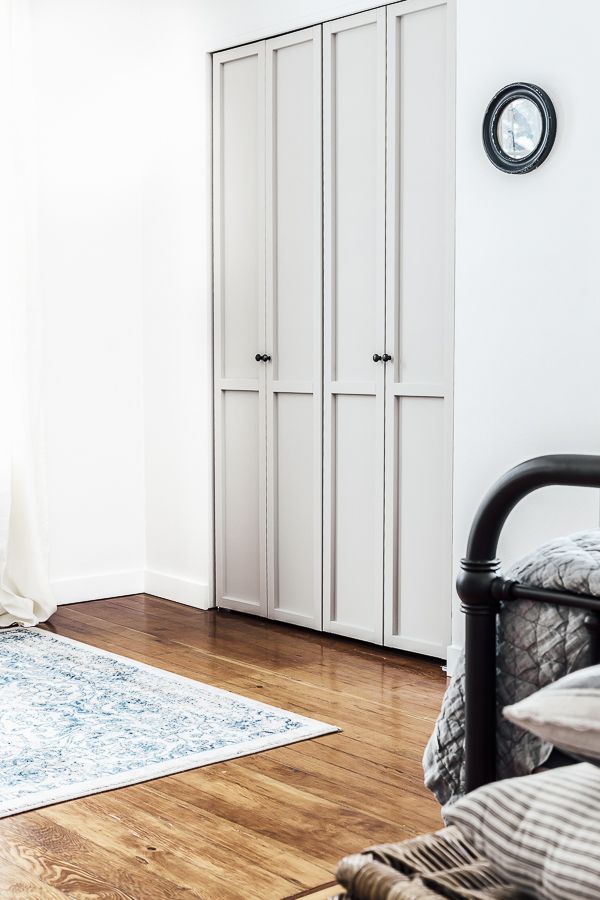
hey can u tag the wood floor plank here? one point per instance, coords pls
(62, 857)
(15, 882)
(175, 830)
(264, 827)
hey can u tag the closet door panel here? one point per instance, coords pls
(421, 572)
(356, 596)
(242, 458)
(354, 283)
(241, 242)
(295, 223)
(357, 208)
(422, 104)
(294, 326)
(239, 328)
(419, 330)
(295, 568)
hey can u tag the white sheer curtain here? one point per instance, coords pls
(25, 596)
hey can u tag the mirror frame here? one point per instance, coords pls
(519, 90)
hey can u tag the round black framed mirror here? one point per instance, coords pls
(519, 128)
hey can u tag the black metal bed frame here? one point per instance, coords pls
(481, 589)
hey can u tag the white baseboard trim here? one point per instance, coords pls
(180, 590)
(97, 587)
(121, 584)
(453, 652)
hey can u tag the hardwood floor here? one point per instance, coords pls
(263, 827)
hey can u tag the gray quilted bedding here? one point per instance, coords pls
(536, 645)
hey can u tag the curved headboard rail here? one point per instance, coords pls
(568, 469)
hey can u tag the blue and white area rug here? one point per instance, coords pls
(76, 720)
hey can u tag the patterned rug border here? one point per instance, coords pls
(311, 728)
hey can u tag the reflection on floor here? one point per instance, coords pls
(264, 827)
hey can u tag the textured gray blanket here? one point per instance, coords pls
(536, 644)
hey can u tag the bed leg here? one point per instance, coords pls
(480, 609)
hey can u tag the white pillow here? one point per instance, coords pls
(541, 832)
(566, 714)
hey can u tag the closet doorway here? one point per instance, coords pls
(333, 317)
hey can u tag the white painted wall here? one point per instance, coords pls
(177, 301)
(87, 78)
(124, 275)
(527, 282)
(124, 92)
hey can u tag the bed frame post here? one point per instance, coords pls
(480, 589)
(480, 610)
(592, 623)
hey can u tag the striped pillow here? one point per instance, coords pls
(541, 832)
(565, 713)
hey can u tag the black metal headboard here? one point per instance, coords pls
(481, 588)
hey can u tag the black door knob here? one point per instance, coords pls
(377, 357)
(258, 357)
(266, 357)
(386, 357)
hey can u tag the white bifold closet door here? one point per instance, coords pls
(294, 329)
(268, 301)
(239, 327)
(354, 323)
(387, 292)
(418, 330)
